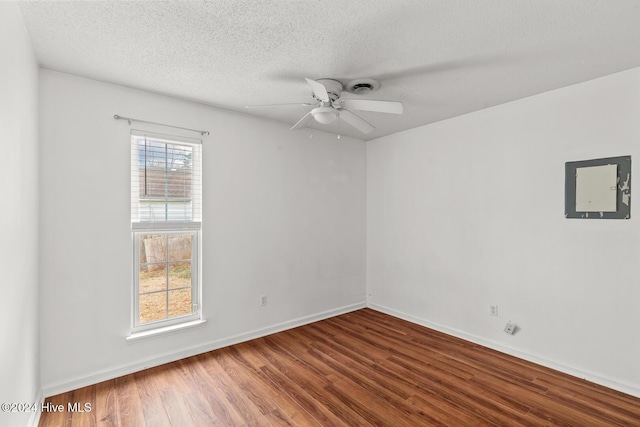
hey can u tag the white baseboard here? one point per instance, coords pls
(118, 371)
(603, 380)
(35, 416)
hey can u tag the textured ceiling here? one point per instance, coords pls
(439, 58)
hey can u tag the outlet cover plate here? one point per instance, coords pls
(510, 328)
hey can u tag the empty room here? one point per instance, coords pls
(319, 213)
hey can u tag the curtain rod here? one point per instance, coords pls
(129, 119)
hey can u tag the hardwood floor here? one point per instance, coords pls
(360, 368)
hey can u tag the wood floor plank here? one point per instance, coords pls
(182, 405)
(249, 355)
(105, 406)
(375, 411)
(80, 413)
(353, 366)
(360, 368)
(56, 417)
(203, 376)
(240, 377)
(408, 349)
(321, 406)
(303, 385)
(403, 412)
(576, 386)
(438, 412)
(284, 410)
(152, 407)
(434, 384)
(404, 347)
(197, 404)
(244, 412)
(129, 405)
(312, 364)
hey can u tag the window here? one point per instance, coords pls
(166, 223)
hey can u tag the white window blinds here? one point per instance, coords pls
(166, 181)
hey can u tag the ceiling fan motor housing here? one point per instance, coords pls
(334, 88)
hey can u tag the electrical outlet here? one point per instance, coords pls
(263, 300)
(510, 328)
(493, 310)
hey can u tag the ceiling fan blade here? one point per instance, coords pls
(303, 121)
(294, 104)
(392, 107)
(357, 122)
(318, 90)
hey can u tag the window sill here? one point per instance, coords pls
(137, 336)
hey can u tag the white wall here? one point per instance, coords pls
(468, 212)
(284, 215)
(19, 357)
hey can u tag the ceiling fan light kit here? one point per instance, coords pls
(324, 115)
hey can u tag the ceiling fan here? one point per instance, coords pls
(329, 105)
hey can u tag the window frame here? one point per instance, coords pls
(165, 227)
